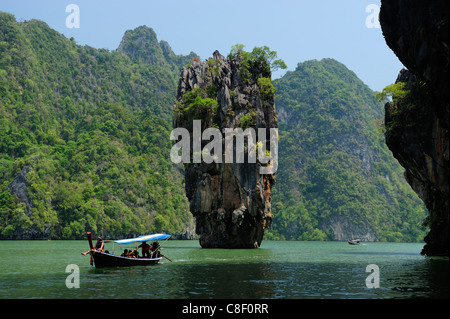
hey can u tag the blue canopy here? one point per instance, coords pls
(142, 238)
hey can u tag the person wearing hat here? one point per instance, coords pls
(99, 246)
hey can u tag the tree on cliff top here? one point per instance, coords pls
(263, 57)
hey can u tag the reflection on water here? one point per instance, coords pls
(277, 270)
(226, 281)
(424, 280)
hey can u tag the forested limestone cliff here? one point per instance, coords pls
(337, 179)
(84, 136)
(84, 143)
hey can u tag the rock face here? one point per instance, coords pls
(18, 187)
(417, 31)
(230, 201)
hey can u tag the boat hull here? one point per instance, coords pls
(103, 260)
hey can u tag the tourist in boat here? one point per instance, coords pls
(145, 250)
(132, 254)
(155, 249)
(125, 253)
(99, 246)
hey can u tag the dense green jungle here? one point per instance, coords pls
(89, 128)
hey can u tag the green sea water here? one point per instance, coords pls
(278, 270)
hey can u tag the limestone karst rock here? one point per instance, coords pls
(230, 201)
(418, 33)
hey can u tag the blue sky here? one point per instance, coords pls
(298, 30)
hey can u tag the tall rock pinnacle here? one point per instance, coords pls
(230, 199)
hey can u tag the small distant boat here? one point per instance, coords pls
(353, 242)
(106, 259)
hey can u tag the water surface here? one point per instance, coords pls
(279, 269)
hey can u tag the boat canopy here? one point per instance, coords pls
(142, 238)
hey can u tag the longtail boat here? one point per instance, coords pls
(102, 259)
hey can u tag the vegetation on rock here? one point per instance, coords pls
(337, 179)
(93, 128)
(93, 125)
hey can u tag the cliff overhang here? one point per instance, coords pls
(417, 124)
